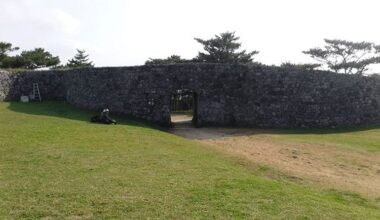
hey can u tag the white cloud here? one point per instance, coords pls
(127, 32)
(66, 22)
(34, 25)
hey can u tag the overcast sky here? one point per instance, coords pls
(128, 32)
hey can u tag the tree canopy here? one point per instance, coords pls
(347, 57)
(80, 60)
(13, 62)
(6, 48)
(39, 58)
(31, 59)
(169, 60)
(223, 48)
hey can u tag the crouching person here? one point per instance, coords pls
(103, 117)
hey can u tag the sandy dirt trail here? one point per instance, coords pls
(326, 165)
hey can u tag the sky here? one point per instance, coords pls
(128, 32)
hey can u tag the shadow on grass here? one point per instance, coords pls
(62, 110)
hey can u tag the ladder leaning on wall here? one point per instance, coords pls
(36, 92)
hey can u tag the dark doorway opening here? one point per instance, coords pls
(183, 107)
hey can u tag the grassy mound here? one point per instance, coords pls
(55, 164)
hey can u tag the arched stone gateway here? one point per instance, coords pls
(226, 94)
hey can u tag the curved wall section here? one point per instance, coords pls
(227, 94)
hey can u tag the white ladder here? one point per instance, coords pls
(36, 92)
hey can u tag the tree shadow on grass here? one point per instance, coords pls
(63, 110)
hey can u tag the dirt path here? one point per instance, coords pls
(180, 118)
(325, 165)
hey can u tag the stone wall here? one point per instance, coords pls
(51, 84)
(226, 94)
(6, 81)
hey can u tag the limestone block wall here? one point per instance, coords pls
(13, 85)
(226, 94)
(6, 81)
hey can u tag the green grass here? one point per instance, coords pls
(54, 164)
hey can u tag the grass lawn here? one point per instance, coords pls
(54, 164)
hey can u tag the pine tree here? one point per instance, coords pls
(347, 57)
(38, 58)
(80, 60)
(5, 49)
(223, 48)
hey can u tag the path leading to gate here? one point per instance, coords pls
(321, 163)
(187, 130)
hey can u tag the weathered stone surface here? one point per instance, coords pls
(13, 85)
(226, 94)
(5, 84)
